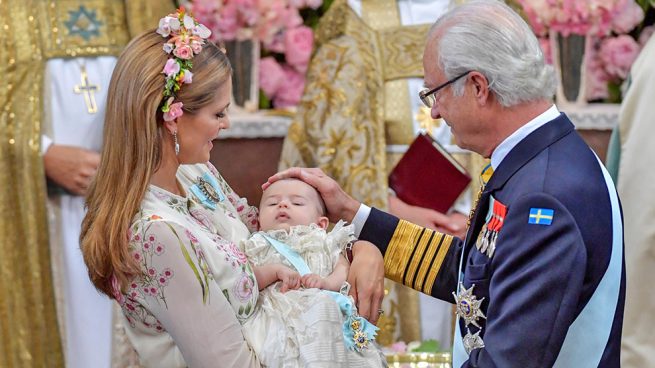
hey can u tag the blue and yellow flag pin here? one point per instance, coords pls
(541, 216)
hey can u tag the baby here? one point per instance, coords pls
(304, 316)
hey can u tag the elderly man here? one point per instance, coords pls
(539, 280)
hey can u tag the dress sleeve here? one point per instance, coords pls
(177, 294)
(249, 215)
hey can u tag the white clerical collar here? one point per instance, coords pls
(510, 142)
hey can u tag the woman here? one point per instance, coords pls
(160, 232)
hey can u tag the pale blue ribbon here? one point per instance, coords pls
(344, 302)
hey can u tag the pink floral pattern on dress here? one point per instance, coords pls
(243, 289)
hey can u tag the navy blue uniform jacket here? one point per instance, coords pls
(540, 276)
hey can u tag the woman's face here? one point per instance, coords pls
(195, 132)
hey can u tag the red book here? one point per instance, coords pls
(428, 176)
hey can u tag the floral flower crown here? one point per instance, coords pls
(185, 39)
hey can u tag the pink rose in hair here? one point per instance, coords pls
(171, 68)
(183, 52)
(174, 112)
(290, 93)
(196, 46)
(618, 54)
(298, 45)
(271, 76)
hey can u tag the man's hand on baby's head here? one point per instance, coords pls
(312, 280)
(290, 278)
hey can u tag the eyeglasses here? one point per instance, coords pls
(428, 96)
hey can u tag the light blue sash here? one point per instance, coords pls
(587, 337)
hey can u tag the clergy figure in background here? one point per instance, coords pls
(358, 114)
(629, 155)
(57, 65)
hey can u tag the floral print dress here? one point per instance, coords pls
(197, 286)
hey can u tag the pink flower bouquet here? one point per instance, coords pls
(277, 24)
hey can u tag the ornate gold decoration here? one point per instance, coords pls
(34, 31)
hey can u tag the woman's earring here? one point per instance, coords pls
(177, 145)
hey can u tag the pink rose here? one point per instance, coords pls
(627, 17)
(171, 68)
(196, 46)
(271, 76)
(298, 45)
(618, 54)
(399, 347)
(290, 93)
(227, 22)
(183, 52)
(174, 112)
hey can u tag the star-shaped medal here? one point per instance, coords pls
(468, 307)
(472, 341)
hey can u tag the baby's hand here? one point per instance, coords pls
(290, 279)
(312, 280)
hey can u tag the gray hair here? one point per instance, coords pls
(489, 37)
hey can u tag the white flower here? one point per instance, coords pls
(174, 23)
(168, 47)
(188, 22)
(202, 31)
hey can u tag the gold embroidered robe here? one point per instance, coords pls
(33, 32)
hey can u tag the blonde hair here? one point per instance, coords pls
(131, 151)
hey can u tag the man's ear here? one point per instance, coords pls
(323, 222)
(481, 86)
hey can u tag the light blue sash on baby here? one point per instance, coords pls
(357, 331)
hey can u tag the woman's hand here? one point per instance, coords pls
(340, 206)
(366, 278)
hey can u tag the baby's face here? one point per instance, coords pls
(288, 203)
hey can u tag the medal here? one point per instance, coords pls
(486, 242)
(472, 341)
(208, 190)
(467, 305)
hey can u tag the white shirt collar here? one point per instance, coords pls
(510, 142)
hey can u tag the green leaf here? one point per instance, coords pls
(189, 261)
